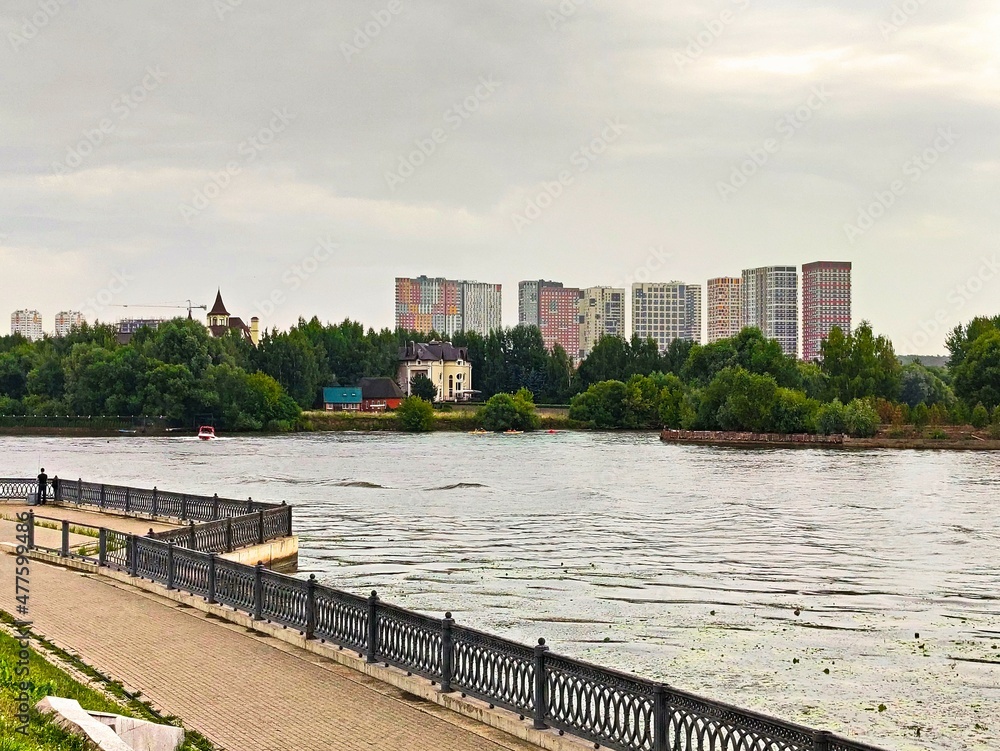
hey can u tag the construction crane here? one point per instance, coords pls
(189, 306)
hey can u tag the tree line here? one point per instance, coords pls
(180, 372)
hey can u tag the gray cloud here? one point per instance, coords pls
(688, 120)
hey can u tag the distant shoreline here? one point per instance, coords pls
(962, 442)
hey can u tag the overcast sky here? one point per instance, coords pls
(154, 151)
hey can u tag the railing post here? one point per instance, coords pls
(446, 653)
(133, 555)
(104, 500)
(310, 606)
(211, 578)
(184, 507)
(170, 565)
(372, 627)
(821, 740)
(102, 547)
(128, 499)
(660, 714)
(79, 490)
(31, 530)
(260, 527)
(65, 539)
(56, 489)
(540, 703)
(229, 534)
(156, 502)
(250, 505)
(288, 520)
(215, 507)
(258, 592)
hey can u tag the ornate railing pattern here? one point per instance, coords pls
(154, 502)
(17, 488)
(227, 535)
(607, 707)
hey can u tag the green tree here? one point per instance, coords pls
(415, 415)
(920, 415)
(831, 418)
(861, 419)
(860, 365)
(977, 372)
(602, 405)
(423, 387)
(980, 416)
(509, 412)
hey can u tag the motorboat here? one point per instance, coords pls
(206, 432)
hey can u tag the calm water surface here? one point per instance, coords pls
(789, 581)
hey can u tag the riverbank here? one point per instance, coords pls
(942, 438)
(456, 420)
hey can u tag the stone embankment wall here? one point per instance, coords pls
(724, 436)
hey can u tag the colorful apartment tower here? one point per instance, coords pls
(725, 311)
(826, 302)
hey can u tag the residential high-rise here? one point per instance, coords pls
(771, 303)
(27, 323)
(554, 309)
(559, 318)
(826, 302)
(429, 304)
(447, 306)
(602, 313)
(664, 311)
(481, 307)
(725, 311)
(66, 320)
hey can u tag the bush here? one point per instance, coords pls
(831, 418)
(861, 419)
(415, 415)
(938, 434)
(920, 415)
(602, 405)
(509, 412)
(980, 416)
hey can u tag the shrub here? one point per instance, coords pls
(861, 419)
(938, 434)
(509, 412)
(980, 416)
(920, 415)
(831, 418)
(415, 415)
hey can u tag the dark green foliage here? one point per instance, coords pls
(860, 365)
(980, 417)
(509, 412)
(423, 387)
(415, 415)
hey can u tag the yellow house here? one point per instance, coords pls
(446, 365)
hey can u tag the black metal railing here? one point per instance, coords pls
(607, 707)
(154, 502)
(232, 533)
(19, 488)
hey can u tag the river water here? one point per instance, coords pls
(854, 591)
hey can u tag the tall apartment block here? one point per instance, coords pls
(602, 313)
(66, 320)
(826, 302)
(447, 306)
(27, 323)
(725, 308)
(664, 311)
(771, 303)
(554, 309)
(481, 306)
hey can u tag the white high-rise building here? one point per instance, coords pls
(602, 313)
(771, 303)
(664, 311)
(67, 320)
(725, 308)
(481, 307)
(27, 323)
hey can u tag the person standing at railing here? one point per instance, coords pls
(43, 486)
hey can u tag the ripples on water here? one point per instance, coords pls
(711, 569)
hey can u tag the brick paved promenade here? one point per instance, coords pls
(244, 692)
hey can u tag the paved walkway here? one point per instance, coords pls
(242, 691)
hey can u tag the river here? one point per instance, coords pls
(854, 591)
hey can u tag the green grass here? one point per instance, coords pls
(48, 680)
